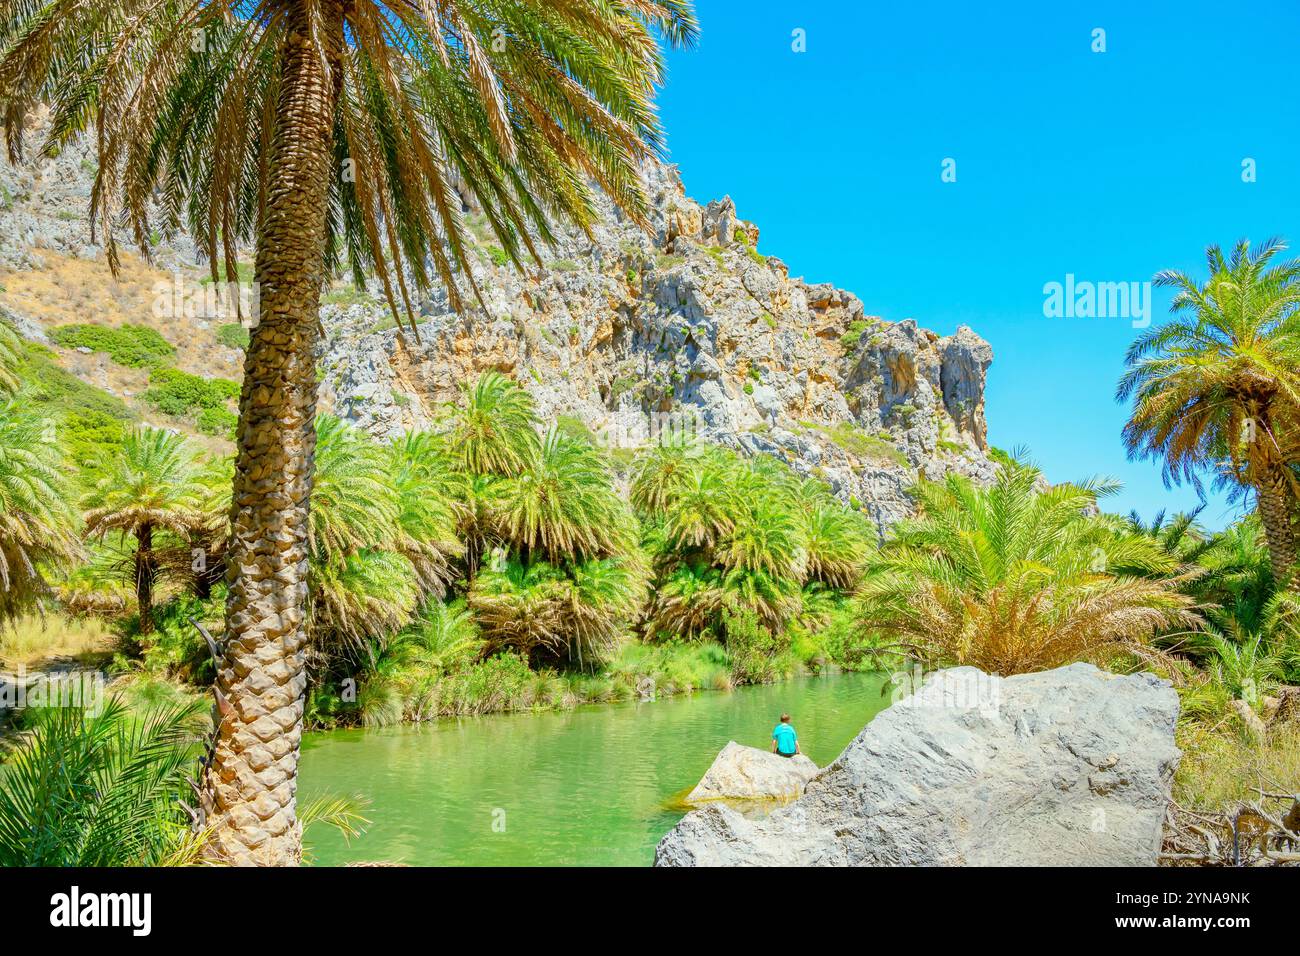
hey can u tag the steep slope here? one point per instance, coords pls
(625, 334)
(687, 329)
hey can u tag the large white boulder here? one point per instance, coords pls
(747, 773)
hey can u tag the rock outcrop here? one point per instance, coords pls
(1066, 767)
(685, 327)
(747, 773)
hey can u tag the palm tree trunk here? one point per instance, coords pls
(144, 576)
(1275, 503)
(251, 783)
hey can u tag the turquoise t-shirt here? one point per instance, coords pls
(784, 736)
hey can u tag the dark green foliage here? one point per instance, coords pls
(233, 335)
(100, 790)
(134, 346)
(219, 422)
(178, 393)
(176, 649)
(89, 422)
(758, 655)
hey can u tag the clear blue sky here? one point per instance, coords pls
(1108, 165)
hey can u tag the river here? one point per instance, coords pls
(592, 786)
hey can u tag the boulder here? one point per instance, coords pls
(747, 773)
(1065, 767)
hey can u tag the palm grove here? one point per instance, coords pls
(497, 561)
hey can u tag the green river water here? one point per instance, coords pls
(592, 786)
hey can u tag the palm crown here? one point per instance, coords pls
(1214, 386)
(1015, 578)
(517, 104)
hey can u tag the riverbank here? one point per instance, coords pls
(505, 683)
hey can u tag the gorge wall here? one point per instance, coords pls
(629, 333)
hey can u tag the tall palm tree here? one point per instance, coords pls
(1217, 388)
(38, 524)
(1012, 578)
(324, 128)
(152, 484)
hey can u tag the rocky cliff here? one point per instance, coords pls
(687, 328)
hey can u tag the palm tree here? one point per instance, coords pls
(11, 349)
(373, 533)
(324, 128)
(702, 508)
(418, 468)
(101, 789)
(837, 542)
(731, 536)
(1011, 578)
(1218, 388)
(520, 606)
(660, 474)
(688, 600)
(494, 430)
(579, 612)
(563, 503)
(198, 561)
(38, 524)
(151, 484)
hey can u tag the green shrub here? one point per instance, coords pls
(244, 272)
(89, 421)
(758, 656)
(220, 422)
(859, 443)
(347, 295)
(849, 340)
(575, 427)
(174, 392)
(134, 346)
(233, 336)
(496, 684)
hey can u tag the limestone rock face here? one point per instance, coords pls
(687, 329)
(1065, 767)
(747, 773)
(684, 327)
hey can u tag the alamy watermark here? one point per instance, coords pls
(187, 298)
(1083, 299)
(70, 688)
(963, 689)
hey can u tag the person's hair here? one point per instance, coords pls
(785, 718)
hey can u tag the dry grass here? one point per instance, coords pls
(32, 640)
(68, 290)
(1222, 767)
